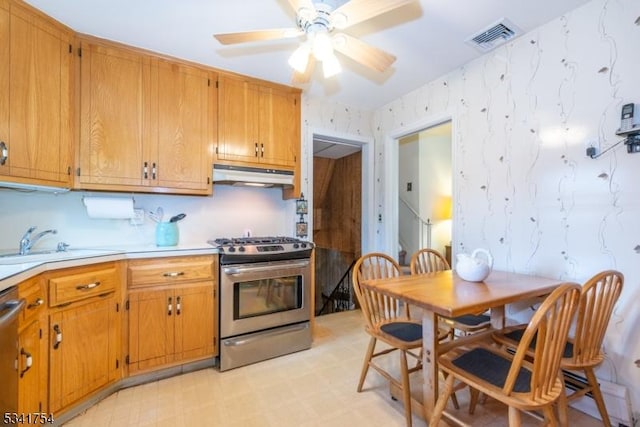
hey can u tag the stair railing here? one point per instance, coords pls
(341, 297)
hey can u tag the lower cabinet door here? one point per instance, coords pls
(194, 334)
(83, 352)
(29, 367)
(151, 314)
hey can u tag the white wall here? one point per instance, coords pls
(228, 213)
(523, 186)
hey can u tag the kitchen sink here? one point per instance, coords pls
(51, 255)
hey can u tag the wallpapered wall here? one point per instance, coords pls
(523, 116)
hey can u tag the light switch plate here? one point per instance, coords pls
(138, 219)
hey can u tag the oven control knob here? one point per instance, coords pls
(232, 249)
(304, 245)
(241, 248)
(296, 246)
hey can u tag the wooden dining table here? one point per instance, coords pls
(444, 293)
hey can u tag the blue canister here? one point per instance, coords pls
(167, 234)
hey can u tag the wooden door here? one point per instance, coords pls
(40, 68)
(186, 98)
(115, 122)
(237, 125)
(194, 334)
(83, 350)
(150, 328)
(29, 367)
(279, 126)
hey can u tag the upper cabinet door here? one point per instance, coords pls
(115, 108)
(186, 126)
(5, 84)
(36, 55)
(279, 126)
(237, 126)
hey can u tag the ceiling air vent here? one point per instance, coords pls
(494, 35)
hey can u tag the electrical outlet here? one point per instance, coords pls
(138, 219)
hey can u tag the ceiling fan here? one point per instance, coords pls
(320, 22)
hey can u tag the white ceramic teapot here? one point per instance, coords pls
(472, 268)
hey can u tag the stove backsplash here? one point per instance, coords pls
(230, 211)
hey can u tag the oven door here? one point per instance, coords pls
(260, 296)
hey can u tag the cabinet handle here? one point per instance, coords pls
(261, 150)
(153, 171)
(145, 170)
(28, 360)
(174, 274)
(37, 303)
(58, 340)
(178, 306)
(170, 307)
(4, 153)
(88, 286)
(256, 149)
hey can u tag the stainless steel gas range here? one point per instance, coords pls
(265, 298)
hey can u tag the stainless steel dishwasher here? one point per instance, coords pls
(10, 307)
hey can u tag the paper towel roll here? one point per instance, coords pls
(109, 207)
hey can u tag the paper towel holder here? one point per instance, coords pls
(104, 207)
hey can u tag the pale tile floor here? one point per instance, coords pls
(316, 387)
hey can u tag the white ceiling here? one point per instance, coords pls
(427, 37)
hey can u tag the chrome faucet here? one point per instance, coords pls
(27, 241)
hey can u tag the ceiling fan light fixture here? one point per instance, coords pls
(331, 66)
(300, 58)
(322, 46)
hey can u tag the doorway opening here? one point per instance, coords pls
(337, 219)
(425, 191)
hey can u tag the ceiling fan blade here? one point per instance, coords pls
(303, 78)
(302, 4)
(363, 52)
(259, 35)
(355, 11)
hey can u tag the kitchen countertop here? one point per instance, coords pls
(12, 274)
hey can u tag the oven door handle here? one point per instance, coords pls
(236, 269)
(233, 342)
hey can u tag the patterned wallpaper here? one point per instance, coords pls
(523, 116)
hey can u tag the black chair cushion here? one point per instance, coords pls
(405, 331)
(492, 368)
(472, 319)
(517, 336)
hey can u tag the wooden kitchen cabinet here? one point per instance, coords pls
(171, 309)
(32, 360)
(84, 331)
(186, 126)
(258, 123)
(147, 124)
(36, 82)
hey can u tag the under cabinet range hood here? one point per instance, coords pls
(251, 176)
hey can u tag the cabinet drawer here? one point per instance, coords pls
(33, 293)
(83, 283)
(157, 271)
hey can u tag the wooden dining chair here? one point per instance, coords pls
(511, 378)
(429, 260)
(388, 320)
(583, 351)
